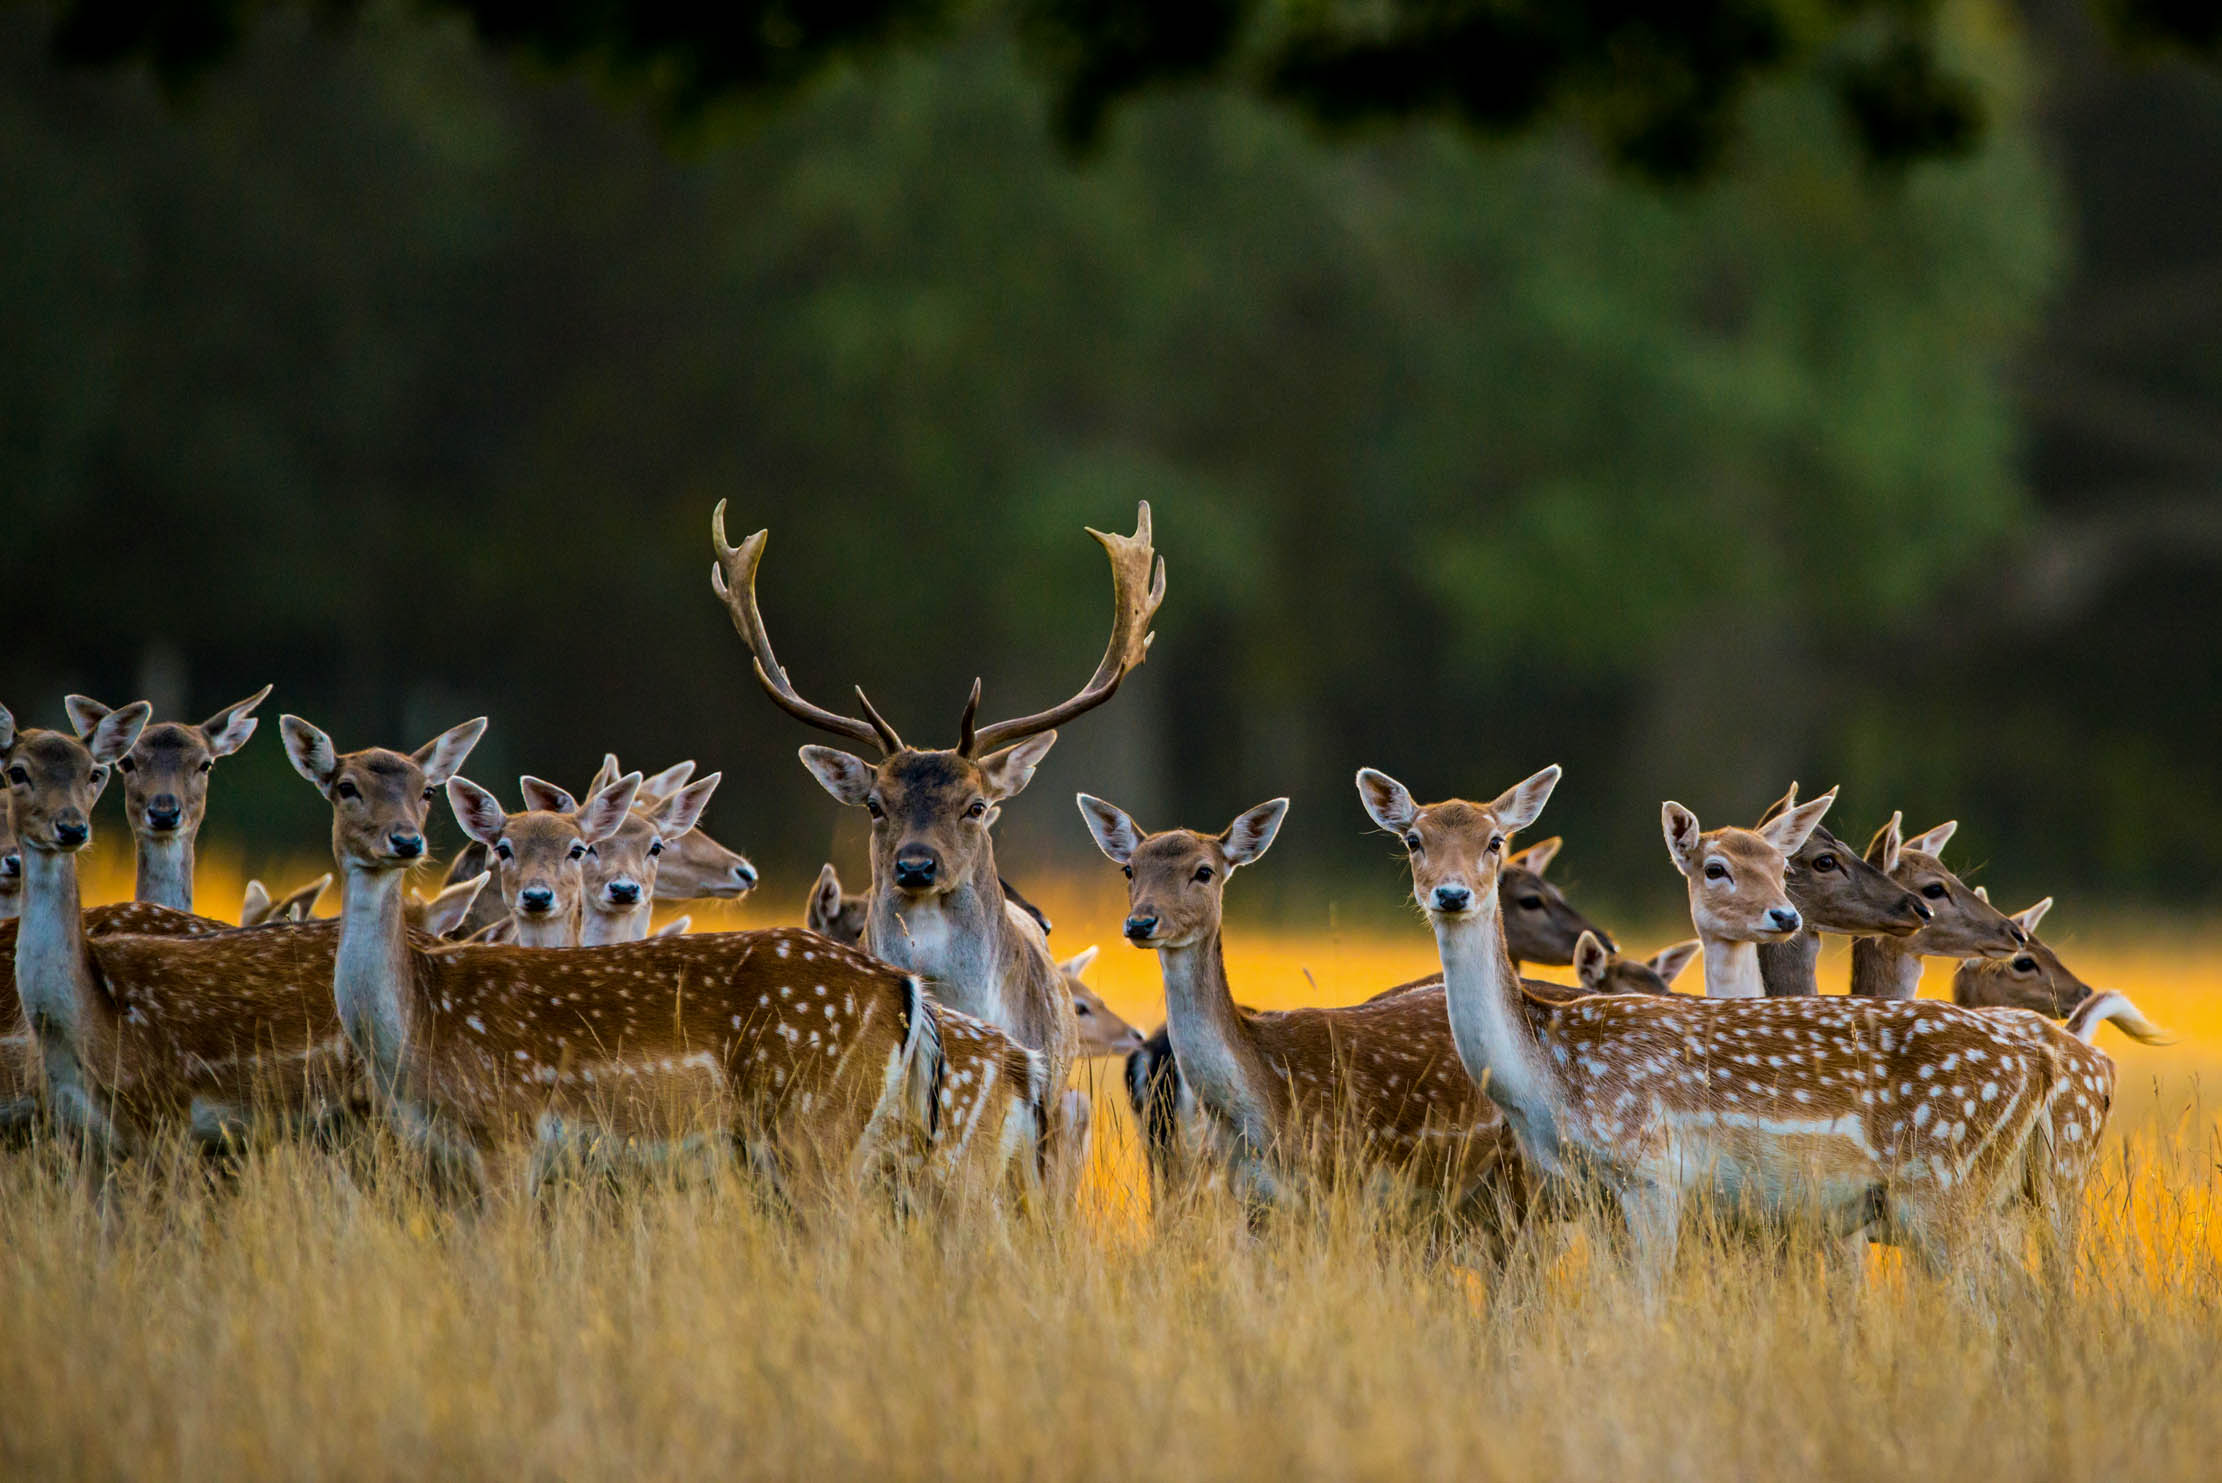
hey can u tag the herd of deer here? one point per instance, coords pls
(922, 1033)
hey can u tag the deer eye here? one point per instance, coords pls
(1531, 903)
(1496, 843)
(655, 849)
(2025, 965)
(208, 764)
(1412, 841)
(123, 764)
(1715, 871)
(1825, 862)
(978, 809)
(578, 852)
(1935, 891)
(872, 807)
(1203, 873)
(1080, 1008)
(346, 789)
(502, 849)
(18, 775)
(428, 792)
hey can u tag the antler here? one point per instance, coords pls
(734, 577)
(1137, 587)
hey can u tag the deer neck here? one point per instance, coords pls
(602, 927)
(1214, 1045)
(372, 970)
(1881, 969)
(1787, 969)
(961, 939)
(165, 871)
(1732, 970)
(53, 972)
(1492, 1024)
(547, 931)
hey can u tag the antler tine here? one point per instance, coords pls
(964, 722)
(733, 577)
(1137, 587)
(887, 737)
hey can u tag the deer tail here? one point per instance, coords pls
(923, 1063)
(2084, 1022)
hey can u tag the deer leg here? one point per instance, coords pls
(1653, 1216)
(1075, 1118)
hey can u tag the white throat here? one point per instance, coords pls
(1489, 1025)
(629, 925)
(165, 876)
(52, 975)
(549, 930)
(1732, 970)
(371, 970)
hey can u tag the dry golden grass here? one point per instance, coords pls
(315, 1316)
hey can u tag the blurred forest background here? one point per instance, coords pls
(403, 370)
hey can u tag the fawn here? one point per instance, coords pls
(1601, 970)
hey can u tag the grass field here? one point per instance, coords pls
(305, 1321)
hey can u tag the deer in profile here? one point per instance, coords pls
(1602, 970)
(499, 1061)
(165, 789)
(937, 906)
(1834, 889)
(1291, 1096)
(1962, 923)
(2036, 980)
(1540, 924)
(1913, 1122)
(540, 853)
(1738, 897)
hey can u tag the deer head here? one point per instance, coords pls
(165, 774)
(54, 778)
(1540, 925)
(930, 809)
(1962, 923)
(622, 869)
(1736, 875)
(540, 854)
(1604, 971)
(2033, 978)
(1456, 849)
(832, 912)
(1102, 1033)
(693, 866)
(379, 798)
(1177, 880)
(1836, 890)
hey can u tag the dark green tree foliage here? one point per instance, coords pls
(1660, 83)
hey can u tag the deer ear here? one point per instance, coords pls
(478, 811)
(542, 796)
(309, 750)
(608, 773)
(1591, 959)
(1251, 835)
(448, 910)
(1386, 801)
(825, 901)
(676, 927)
(1789, 830)
(227, 731)
(7, 728)
(681, 811)
(1682, 835)
(608, 809)
(254, 905)
(846, 776)
(117, 732)
(1668, 962)
(1115, 831)
(300, 905)
(1779, 807)
(667, 782)
(1889, 841)
(1009, 771)
(1078, 964)
(442, 757)
(1933, 842)
(2028, 917)
(1520, 805)
(1537, 857)
(84, 713)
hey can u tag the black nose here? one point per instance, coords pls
(71, 835)
(1784, 919)
(624, 893)
(1453, 898)
(163, 811)
(745, 873)
(1921, 912)
(916, 870)
(407, 846)
(536, 898)
(11, 866)
(1138, 929)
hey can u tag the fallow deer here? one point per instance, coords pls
(839, 914)
(1601, 970)
(693, 866)
(1294, 1095)
(1962, 924)
(1102, 1031)
(1834, 890)
(297, 905)
(540, 853)
(621, 871)
(2036, 980)
(1738, 899)
(937, 904)
(165, 789)
(1914, 1122)
(819, 1061)
(1540, 924)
